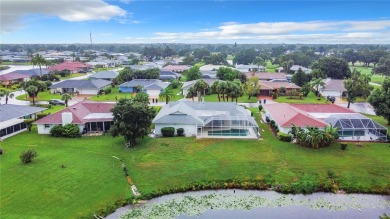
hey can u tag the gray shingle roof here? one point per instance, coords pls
(188, 84)
(105, 74)
(11, 111)
(93, 83)
(141, 82)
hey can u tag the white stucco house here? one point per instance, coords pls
(207, 120)
(89, 116)
(85, 87)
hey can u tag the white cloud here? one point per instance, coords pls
(126, 1)
(12, 11)
(288, 32)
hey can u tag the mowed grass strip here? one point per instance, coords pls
(92, 178)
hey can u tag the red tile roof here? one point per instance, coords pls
(71, 66)
(79, 111)
(265, 85)
(285, 115)
(12, 76)
(322, 108)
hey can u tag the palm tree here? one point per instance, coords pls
(167, 94)
(317, 83)
(66, 97)
(191, 93)
(32, 90)
(38, 60)
(215, 89)
(200, 86)
(7, 95)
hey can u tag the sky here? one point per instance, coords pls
(201, 21)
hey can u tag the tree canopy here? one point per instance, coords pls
(245, 57)
(380, 100)
(229, 74)
(357, 85)
(300, 78)
(132, 120)
(193, 73)
(333, 67)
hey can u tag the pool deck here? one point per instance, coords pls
(205, 134)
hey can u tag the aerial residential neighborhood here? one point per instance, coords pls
(207, 109)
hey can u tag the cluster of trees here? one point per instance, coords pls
(380, 100)
(383, 66)
(230, 74)
(226, 89)
(363, 55)
(313, 137)
(357, 86)
(128, 74)
(33, 87)
(153, 52)
(333, 67)
(298, 58)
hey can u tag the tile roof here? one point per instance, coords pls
(334, 85)
(266, 85)
(80, 112)
(11, 111)
(71, 66)
(176, 67)
(322, 108)
(81, 84)
(12, 76)
(266, 75)
(285, 115)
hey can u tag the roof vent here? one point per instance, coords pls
(74, 108)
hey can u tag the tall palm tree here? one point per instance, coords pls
(200, 86)
(66, 97)
(215, 89)
(32, 90)
(167, 94)
(317, 83)
(191, 93)
(38, 60)
(7, 95)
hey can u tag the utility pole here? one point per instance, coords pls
(90, 37)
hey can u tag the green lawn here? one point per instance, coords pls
(271, 67)
(311, 98)
(368, 70)
(16, 63)
(42, 96)
(54, 109)
(92, 178)
(243, 99)
(73, 75)
(115, 95)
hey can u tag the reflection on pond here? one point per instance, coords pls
(260, 204)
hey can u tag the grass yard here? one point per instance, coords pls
(378, 79)
(378, 119)
(178, 95)
(93, 179)
(42, 96)
(54, 109)
(243, 99)
(113, 96)
(73, 75)
(311, 98)
(271, 67)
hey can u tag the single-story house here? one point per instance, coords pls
(266, 87)
(88, 115)
(168, 75)
(209, 74)
(12, 118)
(176, 68)
(98, 63)
(21, 75)
(210, 67)
(73, 67)
(207, 120)
(333, 88)
(250, 68)
(153, 87)
(350, 125)
(295, 69)
(105, 75)
(188, 84)
(141, 67)
(267, 76)
(86, 87)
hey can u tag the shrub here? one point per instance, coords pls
(107, 90)
(48, 84)
(168, 131)
(70, 131)
(56, 131)
(180, 132)
(28, 156)
(272, 122)
(175, 83)
(44, 105)
(267, 119)
(284, 137)
(260, 107)
(344, 146)
(29, 123)
(41, 115)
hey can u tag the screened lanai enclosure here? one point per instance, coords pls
(235, 126)
(357, 127)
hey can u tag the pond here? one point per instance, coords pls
(258, 204)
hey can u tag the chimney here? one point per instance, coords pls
(67, 118)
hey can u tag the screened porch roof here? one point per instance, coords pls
(352, 121)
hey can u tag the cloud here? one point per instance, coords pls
(126, 1)
(13, 11)
(288, 32)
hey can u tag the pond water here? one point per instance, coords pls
(258, 204)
